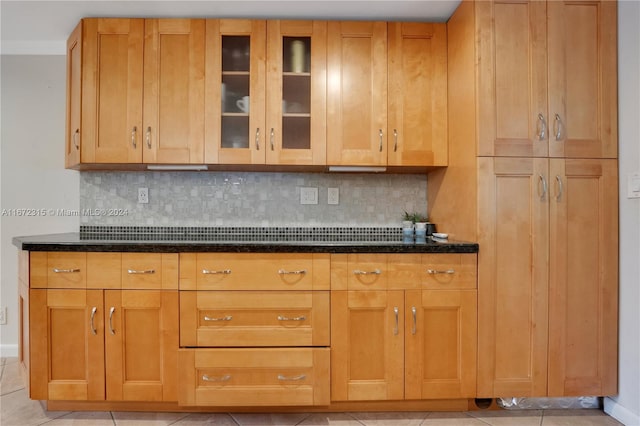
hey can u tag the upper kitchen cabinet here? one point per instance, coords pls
(417, 97)
(357, 94)
(547, 79)
(135, 92)
(266, 91)
(387, 94)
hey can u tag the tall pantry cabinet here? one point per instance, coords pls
(532, 177)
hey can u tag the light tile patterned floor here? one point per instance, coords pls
(18, 410)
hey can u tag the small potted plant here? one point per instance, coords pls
(407, 226)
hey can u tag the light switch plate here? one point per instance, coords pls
(308, 195)
(633, 186)
(333, 196)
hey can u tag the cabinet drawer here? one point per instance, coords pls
(250, 318)
(58, 270)
(265, 377)
(449, 271)
(150, 271)
(254, 271)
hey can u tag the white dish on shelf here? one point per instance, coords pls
(440, 235)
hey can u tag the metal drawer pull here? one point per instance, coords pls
(271, 139)
(66, 271)
(111, 311)
(133, 137)
(558, 127)
(435, 271)
(381, 135)
(91, 324)
(300, 377)
(145, 271)
(224, 378)
(258, 139)
(148, 137)
(224, 318)
(374, 272)
(395, 140)
(75, 139)
(299, 272)
(301, 318)
(395, 311)
(414, 312)
(224, 271)
(560, 188)
(544, 188)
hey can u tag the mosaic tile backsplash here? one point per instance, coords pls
(248, 199)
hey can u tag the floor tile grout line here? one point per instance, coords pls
(305, 418)
(468, 414)
(12, 392)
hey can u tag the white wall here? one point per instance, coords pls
(32, 166)
(626, 406)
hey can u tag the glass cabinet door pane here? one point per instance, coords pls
(235, 91)
(296, 93)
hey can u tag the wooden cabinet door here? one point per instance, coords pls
(357, 93)
(173, 91)
(417, 121)
(235, 57)
(367, 345)
(141, 343)
(512, 79)
(74, 97)
(583, 79)
(67, 345)
(296, 91)
(440, 344)
(583, 288)
(112, 61)
(513, 227)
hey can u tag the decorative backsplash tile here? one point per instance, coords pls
(225, 199)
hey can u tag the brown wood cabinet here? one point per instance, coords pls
(543, 211)
(547, 82)
(92, 343)
(394, 339)
(135, 92)
(386, 97)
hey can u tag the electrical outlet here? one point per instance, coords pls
(308, 195)
(333, 196)
(143, 195)
(3, 315)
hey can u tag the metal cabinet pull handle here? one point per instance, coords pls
(111, 311)
(560, 188)
(145, 271)
(224, 378)
(300, 318)
(75, 139)
(374, 272)
(149, 137)
(94, 331)
(223, 272)
(271, 138)
(396, 311)
(558, 127)
(133, 137)
(285, 272)
(544, 187)
(435, 271)
(414, 312)
(395, 140)
(543, 127)
(258, 139)
(224, 318)
(66, 271)
(380, 133)
(292, 378)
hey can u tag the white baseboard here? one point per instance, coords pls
(7, 351)
(620, 413)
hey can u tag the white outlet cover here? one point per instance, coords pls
(333, 196)
(633, 185)
(143, 195)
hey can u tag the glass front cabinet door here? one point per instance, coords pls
(266, 85)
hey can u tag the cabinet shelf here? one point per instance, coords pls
(235, 73)
(296, 74)
(300, 115)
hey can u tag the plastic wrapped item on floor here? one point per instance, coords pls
(550, 403)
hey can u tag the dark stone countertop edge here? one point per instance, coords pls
(72, 242)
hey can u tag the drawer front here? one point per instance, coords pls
(150, 271)
(449, 271)
(367, 272)
(249, 318)
(264, 377)
(58, 270)
(250, 271)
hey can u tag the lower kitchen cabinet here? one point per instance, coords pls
(254, 376)
(115, 345)
(403, 344)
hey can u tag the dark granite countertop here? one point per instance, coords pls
(74, 242)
